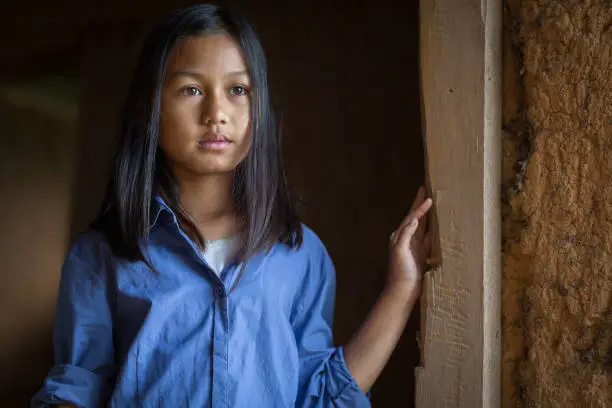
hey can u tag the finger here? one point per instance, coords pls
(393, 238)
(416, 213)
(420, 214)
(405, 234)
(419, 198)
(430, 261)
(423, 208)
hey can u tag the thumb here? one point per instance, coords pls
(407, 232)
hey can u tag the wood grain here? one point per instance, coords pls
(460, 75)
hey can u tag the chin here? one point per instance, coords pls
(216, 167)
(207, 164)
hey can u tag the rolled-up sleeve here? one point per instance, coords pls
(82, 339)
(325, 380)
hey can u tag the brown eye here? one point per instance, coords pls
(191, 91)
(238, 91)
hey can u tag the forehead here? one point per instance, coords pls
(212, 53)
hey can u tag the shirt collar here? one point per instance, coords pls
(159, 207)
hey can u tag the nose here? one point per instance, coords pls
(214, 111)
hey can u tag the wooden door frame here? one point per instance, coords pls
(461, 103)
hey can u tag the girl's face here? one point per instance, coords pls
(206, 106)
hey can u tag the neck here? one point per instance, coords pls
(208, 201)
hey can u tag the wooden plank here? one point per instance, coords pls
(460, 329)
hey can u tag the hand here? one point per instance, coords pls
(410, 248)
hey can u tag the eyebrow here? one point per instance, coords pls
(196, 74)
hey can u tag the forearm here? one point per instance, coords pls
(369, 350)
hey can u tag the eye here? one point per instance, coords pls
(190, 91)
(238, 90)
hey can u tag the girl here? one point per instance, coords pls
(198, 286)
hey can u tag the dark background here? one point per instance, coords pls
(346, 81)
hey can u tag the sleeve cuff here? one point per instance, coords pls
(73, 385)
(339, 385)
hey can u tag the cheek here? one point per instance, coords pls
(243, 123)
(243, 127)
(176, 126)
(167, 133)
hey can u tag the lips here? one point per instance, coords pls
(215, 138)
(214, 141)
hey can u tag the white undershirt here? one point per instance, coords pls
(217, 253)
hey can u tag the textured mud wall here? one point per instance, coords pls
(557, 203)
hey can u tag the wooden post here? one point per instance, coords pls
(461, 91)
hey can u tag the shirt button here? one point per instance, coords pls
(220, 291)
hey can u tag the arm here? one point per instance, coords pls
(324, 380)
(369, 350)
(340, 377)
(83, 345)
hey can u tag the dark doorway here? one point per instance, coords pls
(347, 87)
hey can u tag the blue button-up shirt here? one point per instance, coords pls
(127, 337)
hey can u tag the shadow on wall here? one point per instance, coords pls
(38, 120)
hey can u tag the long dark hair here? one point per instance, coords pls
(260, 191)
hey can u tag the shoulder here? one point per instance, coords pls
(87, 275)
(89, 251)
(311, 257)
(315, 278)
(312, 241)
(312, 247)
(89, 244)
